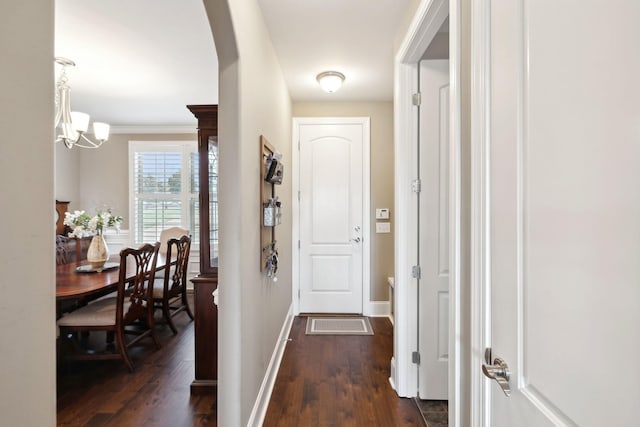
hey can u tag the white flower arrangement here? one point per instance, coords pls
(82, 224)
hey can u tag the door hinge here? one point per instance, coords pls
(298, 244)
(416, 272)
(415, 357)
(416, 185)
(298, 145)
(298, 195)
(416, 99)
(298, 294)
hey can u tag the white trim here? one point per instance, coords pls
(379, 309)
(266, 388)
(392, 374)
(427, 21)
(154, 129)
(456, 343)
(406, 244)
(295, 216)
(480, 260)
(366, 204)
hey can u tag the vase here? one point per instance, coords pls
(98, 252)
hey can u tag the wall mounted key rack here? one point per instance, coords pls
(271, 174)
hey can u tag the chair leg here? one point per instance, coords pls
(122, 347)
(185, 303)
(154, 337)
(166, 312)
(152, 327)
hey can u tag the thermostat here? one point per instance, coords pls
(382, 213)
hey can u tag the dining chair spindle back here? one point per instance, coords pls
(130, 312)
(170, 291)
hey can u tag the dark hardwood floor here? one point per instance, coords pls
(324, 381)
(337, 381)
(104, 393)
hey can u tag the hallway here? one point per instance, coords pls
(338, 381)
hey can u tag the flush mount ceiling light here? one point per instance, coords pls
(74, 124)
(330, 81)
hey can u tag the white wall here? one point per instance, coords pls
(254, 101)
(27, 283)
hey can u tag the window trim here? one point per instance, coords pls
(186, 147)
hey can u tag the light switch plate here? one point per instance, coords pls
(382, 213)
(383, 227)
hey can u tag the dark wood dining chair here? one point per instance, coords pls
(170, 291)
(62, 242)
(129, 313)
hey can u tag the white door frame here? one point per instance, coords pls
(367, 308)
(404, 375)
(480, 259)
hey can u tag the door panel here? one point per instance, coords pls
(433, 228)
(563, 203)
(331, 223)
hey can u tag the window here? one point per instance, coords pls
(163, 188)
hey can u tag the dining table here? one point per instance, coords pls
(77, 282)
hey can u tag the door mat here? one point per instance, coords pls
(338, 326)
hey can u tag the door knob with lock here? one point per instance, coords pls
(498, 371)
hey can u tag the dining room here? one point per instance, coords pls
(125, 187)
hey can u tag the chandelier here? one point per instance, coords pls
(73, 124)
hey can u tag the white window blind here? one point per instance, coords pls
(163, 182)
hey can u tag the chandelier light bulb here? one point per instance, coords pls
(101, 131)
(80, 121)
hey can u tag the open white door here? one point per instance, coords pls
(556, 216)
(433, 226)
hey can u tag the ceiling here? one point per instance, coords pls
(138, 63)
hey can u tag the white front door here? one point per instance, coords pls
(332, 230)
(433, 226)
(556, 171)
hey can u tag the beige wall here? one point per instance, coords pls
(381, 116)
(254, 101)
(67, 167)
(97, 178)
(27, 306)
(404, 26)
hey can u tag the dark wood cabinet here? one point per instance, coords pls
(61, 209)
(205, 311)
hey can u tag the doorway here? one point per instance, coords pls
(405, 365)
(331, 178)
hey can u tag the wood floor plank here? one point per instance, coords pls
(324, 381)
(104, 393)
(336, 381)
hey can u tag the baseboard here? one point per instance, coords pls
(378, 309)
(393, 374)
(264, 394)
